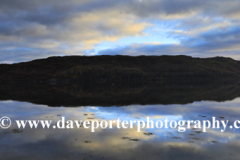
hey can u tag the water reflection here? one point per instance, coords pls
(120, 143)
(180, 92)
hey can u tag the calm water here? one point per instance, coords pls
(110, 144)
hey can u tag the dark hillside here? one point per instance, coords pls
(119, 69)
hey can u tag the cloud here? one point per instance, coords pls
(207, 44)
(75, 27)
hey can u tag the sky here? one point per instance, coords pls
(33, 29)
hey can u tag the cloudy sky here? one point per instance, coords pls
(31, 29)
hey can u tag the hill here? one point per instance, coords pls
(122, 69)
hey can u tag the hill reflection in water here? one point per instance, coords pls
(92, 94)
